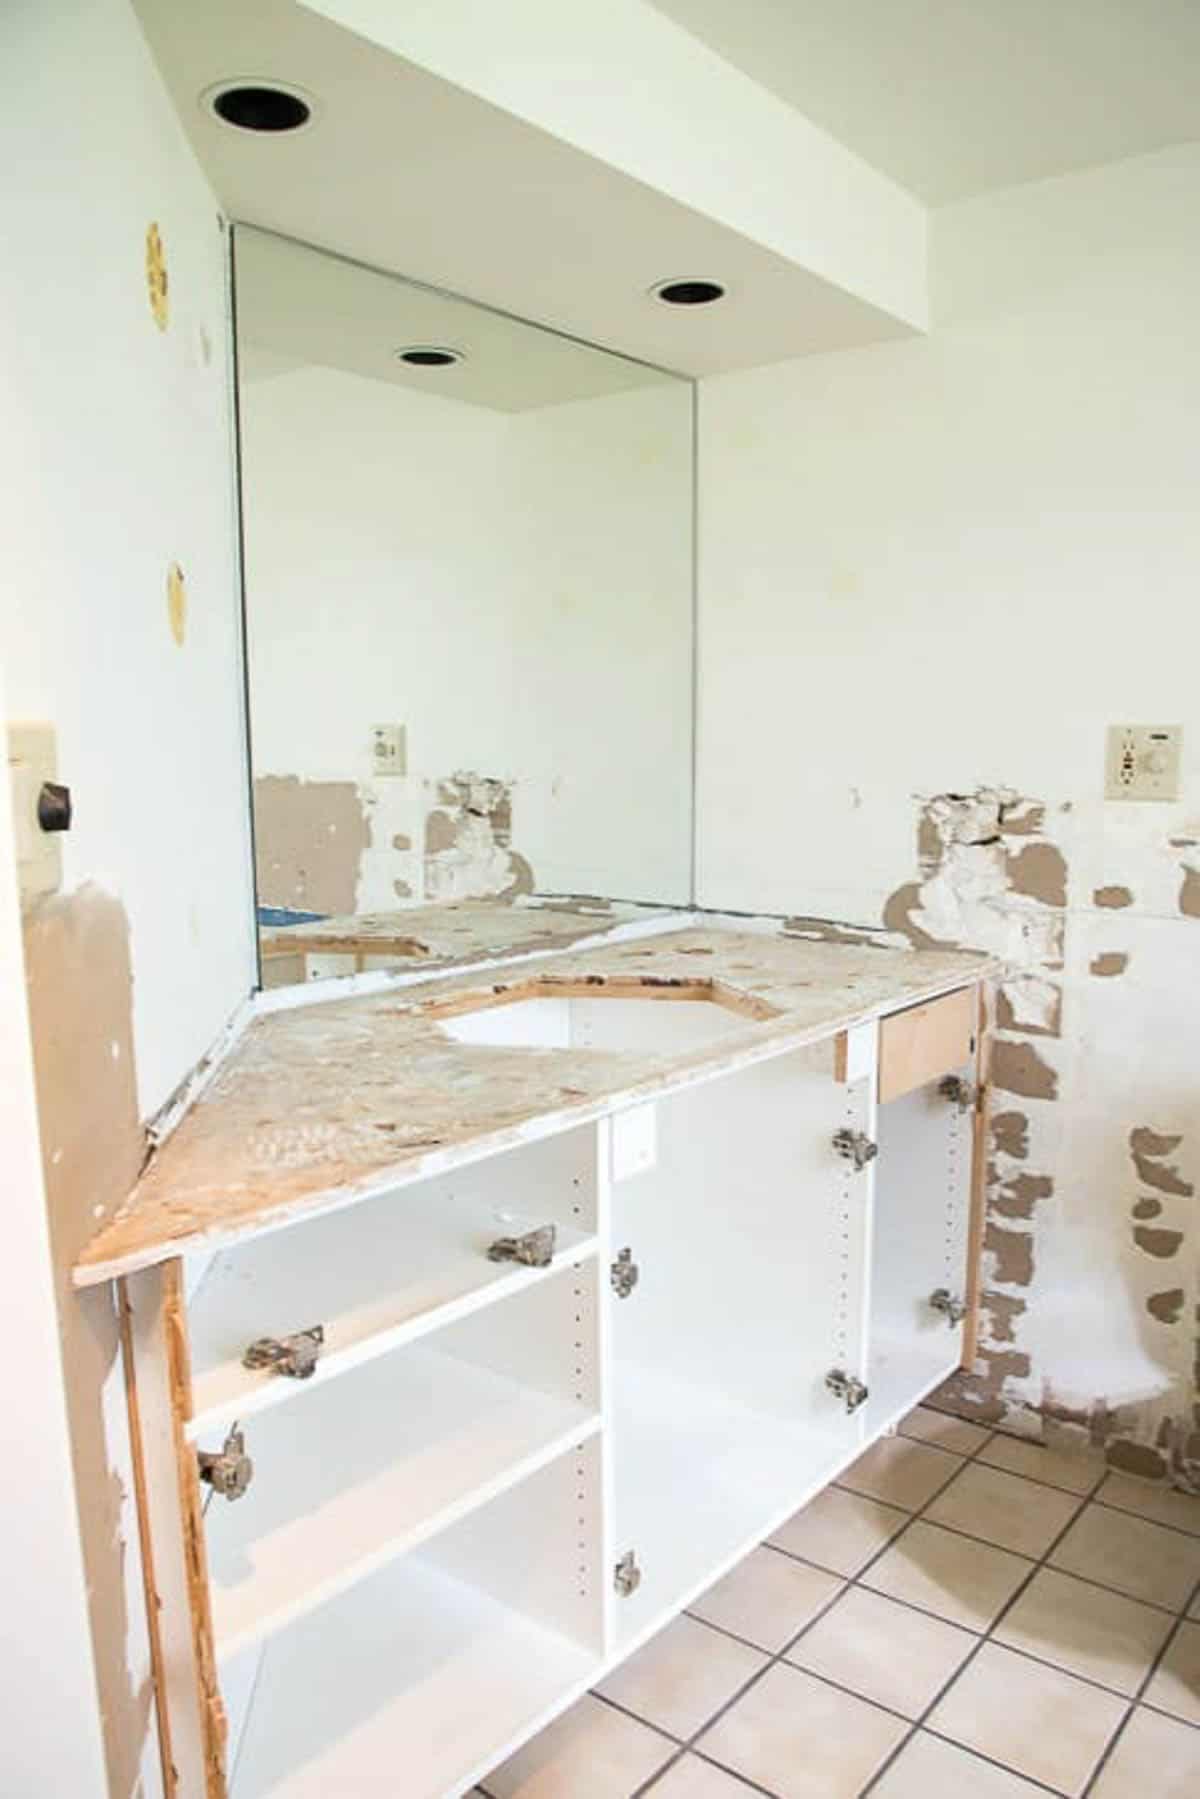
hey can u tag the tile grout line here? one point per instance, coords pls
(988, 1637)
(1143, 1689)
(688, 1745)
(780, 1655)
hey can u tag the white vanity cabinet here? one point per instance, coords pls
(505, 1419)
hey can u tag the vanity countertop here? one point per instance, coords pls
(457, 933)
(330, 1101)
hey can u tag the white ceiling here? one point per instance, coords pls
(952, 97)
(298, 307)
(409, 173)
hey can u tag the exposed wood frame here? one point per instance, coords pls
(921, 1042)
(977, 1215)
(158, 1385)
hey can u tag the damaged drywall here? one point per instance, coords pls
(80, 988)
(994, 873)
(468, 842)
(310, 838)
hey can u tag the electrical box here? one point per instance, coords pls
(1142, 762)
(389, 750)
(32, 762)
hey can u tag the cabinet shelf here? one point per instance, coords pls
(381, 1275)
(365, 1471)
(416, 1683)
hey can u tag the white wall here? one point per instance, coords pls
(116, 450)
(513, 588)
(933, 565)
(115, 457)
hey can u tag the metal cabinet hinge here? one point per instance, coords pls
(295, 1356)
(627, 1576)
(229, 1470)
(856, 1146)
(959, 1092)
(534, 1250)
(624, 1274)
(952, 1308)
(847, 1387)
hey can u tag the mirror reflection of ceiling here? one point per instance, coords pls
(298, 308)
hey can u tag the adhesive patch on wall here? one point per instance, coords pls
(156, 275)
(177, 603)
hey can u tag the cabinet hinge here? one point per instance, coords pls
(229, 1470)
(856, 1146)
(534, 1250)
(624, 1274)
(847, 1387)
(627, 1576)
(952, 1308)
(295, 1356)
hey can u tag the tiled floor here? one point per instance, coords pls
(963, 1616)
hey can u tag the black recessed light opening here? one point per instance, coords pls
(428, 356)
(689, 293)
(256, 107)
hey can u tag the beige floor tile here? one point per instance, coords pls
(1132, 1555)
(943, 1430)
(928, 1768)
(690, 1778)
(682, 1676)
(840, 1530)
(1194, 1608)
(962, 1581)
(1156, 1758)
(767, 1598)
(802, 1739)
(1057, 1468)
(1003, 1509)
(1161, 1504)
(1086, 1629)
(1176, 1684)
(900, 1472)
(1037, 1720)
(591, 1752)
(883, 1651)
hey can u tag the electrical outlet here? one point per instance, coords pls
(1142, 762)
(389, 750)
(32, 761)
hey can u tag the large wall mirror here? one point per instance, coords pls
(469, 614)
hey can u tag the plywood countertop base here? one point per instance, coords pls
(324, 1104)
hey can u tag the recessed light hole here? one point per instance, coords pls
(689, 293)
(255, 106)
(429, 356)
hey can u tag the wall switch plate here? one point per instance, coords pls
(1142, 762)
(33, 760)
(389, 750)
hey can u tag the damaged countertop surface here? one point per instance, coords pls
(332, 1101)
(457, 933)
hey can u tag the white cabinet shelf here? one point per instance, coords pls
(383, 1274)
(409, 1685)
(366, 1469)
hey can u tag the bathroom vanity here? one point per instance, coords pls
(474, 1325)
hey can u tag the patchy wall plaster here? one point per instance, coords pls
(80, 986)
(310, 838)
(988, 498)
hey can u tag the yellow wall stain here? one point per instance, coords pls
(177, 603)
(156, 275)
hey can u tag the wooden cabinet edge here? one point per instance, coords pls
(189, 1709)
(976, 1217)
